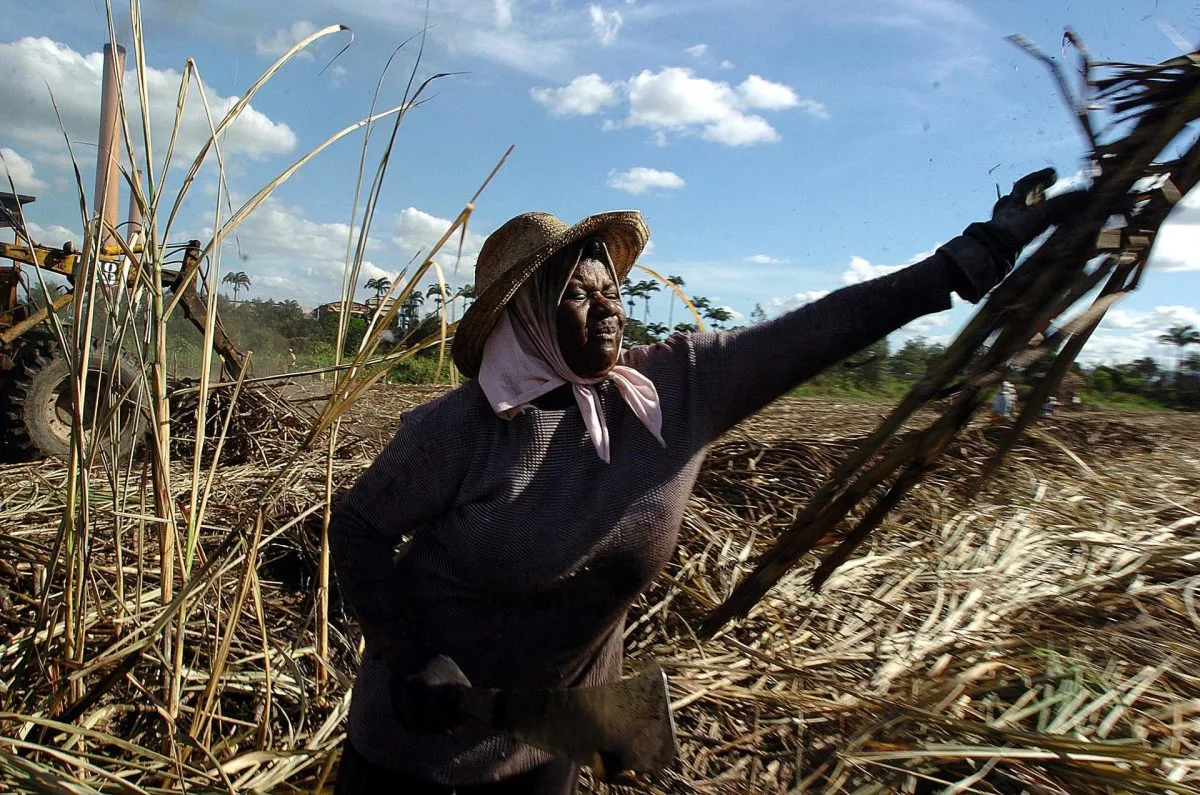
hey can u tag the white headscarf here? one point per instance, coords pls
(522, 359)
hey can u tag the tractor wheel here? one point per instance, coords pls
(38, 398)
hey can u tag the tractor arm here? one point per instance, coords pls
(65, 261)
(184, 285)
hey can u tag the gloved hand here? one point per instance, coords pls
(429, 701)
(986, 252)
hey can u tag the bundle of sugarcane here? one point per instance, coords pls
(1135, 119)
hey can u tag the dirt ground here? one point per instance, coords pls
(377, 415)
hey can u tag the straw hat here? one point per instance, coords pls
(517, 249)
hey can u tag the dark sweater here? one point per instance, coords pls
(527, 550)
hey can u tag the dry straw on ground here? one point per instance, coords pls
(1040, 637)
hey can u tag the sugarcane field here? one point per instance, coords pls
(337, 457)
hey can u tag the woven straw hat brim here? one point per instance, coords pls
(624, 233)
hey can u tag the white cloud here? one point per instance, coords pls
(740, 130)
(814, 108)
(279, 41)
(33, 65)
(605, 24)
(923, 325)
(583, 96)
(338, 75)
(20, 171)
(726, 65)
(766, 95)
(1177, 246)
(861, 270)
(52, 234)
(504, 13)
(698, 50)
(416, 230)
(290, 256)
(765, 259)
(1157, 321)
(277, 229)
(796, 300)
(639, 180)
(1110, 348)
(674, 101)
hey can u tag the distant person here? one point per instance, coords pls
(291, 363)
(1004, 402)
(536, 502)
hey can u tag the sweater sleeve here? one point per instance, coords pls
(402, 490)
(738, 372)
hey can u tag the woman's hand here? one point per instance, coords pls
(1017, 220)
(430, 700)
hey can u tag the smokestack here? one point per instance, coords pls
(107, 199)
(135, 212)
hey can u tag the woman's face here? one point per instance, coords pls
(591, 320)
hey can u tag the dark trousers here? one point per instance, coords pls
(358, 776)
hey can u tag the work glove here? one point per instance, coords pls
(986, 252)
(430, 700)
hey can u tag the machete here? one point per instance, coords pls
(626, 725)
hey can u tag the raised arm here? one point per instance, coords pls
(738, 372)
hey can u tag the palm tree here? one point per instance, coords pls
(718, 315)
(435, 292)
(1180, 336)
(678, 282)
(631, 291)
(380, 285)
(410, 311)
(646, 288)
(657, 330)
(239, 281)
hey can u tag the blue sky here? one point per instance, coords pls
(778, 149)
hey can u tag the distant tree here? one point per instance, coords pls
(435, 292)
(913, 358)
(239, 281)
(718, 315)
(1180, 336)
(869, 365)
(758, 315)
(646, 288)
(1102, 380)
(678, 282)
(410, 311)
(631, 291)
(636, 333)
(657, 330)
(380, 284)
(684, 328)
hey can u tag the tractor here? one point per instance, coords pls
(36, 374)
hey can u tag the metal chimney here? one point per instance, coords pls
(107, 198)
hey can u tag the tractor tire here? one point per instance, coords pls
(37, 399)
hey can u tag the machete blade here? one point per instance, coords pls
(626, 725)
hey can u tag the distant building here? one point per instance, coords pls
(357, 309)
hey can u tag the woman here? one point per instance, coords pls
(538, 500)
